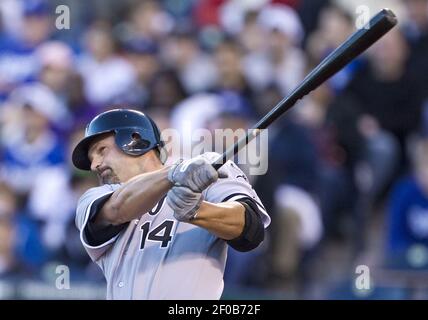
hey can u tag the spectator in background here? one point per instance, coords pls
(285, 34)
(8, 203)
(282, 62)
(34, 154)
(17, 60)
(188, 116)
(234, 115)
(37, 23)
(147, 27)
(56, 63)
(196, 69)
(21, 249)
(416, 27)
(256, 61)
(143, 56)
(407, 218)
(415, 30)
(334, 26)
(11, 18)
(148, 21)
(347, 172)
(8, 264)
(251, 36)
(30, 145)
(207, 12)
(299, 231)
(108, 78)
(166, 91)
(294, 174)
(388, 95)
(290, 190)
(228, 58)
(338, 148)
(309, 11)
(78, 104)
(237, 16)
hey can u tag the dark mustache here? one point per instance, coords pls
(102, 169)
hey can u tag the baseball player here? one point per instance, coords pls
(157, 231)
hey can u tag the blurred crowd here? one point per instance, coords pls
(354, 150)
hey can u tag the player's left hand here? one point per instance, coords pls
(184, 202)
(196, 173)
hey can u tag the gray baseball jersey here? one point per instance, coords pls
(158, 257)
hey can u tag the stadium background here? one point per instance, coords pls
(347, 183)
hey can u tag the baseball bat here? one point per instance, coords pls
(357, 43)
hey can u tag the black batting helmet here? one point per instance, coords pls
(135, 134)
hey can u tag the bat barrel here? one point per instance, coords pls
(357, 43)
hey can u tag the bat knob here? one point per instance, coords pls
(390, 16)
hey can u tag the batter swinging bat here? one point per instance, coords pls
(357, 43)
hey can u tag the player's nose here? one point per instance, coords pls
(95, 163)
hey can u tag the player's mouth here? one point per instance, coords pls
(104, 172)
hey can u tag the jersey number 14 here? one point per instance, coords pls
(162, 233)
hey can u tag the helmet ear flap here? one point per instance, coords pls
(157, 133)
(163, 154)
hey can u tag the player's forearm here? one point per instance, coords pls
(135, 197)
(225, 220)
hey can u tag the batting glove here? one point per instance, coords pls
(184, 202)
(196, 173)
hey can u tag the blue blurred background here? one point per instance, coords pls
(347, 182)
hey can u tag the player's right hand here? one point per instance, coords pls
(184, 202)
(196, 173)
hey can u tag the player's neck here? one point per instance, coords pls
(150, 165)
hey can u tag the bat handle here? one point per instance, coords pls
(220, 161)
(217, 165)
